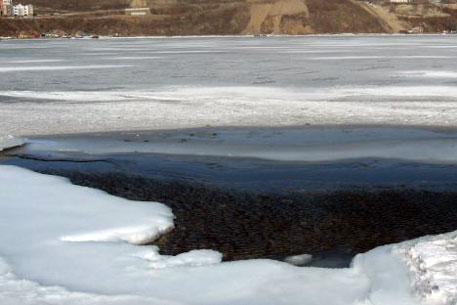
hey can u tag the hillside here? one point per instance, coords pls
(204, 17)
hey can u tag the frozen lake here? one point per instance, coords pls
(56, 86)
(350, 110)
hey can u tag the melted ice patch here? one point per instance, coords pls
(302, 144)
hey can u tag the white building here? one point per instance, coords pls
(6, 8)
(401, 1)
(23, 10)
(141, 11)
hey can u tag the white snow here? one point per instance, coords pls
(38, 266)
(192, 258)
(227, 106)
(429, 74)
(299, 260)
(433, 266)
(274, 96)
(17, 291)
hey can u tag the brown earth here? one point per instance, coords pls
(227, 17)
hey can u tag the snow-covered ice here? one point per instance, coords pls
(39, 265)
(276, 81)
(229, 106)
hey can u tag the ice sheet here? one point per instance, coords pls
(226, 106)
(38, 266)
(308, 144)
(227, 81)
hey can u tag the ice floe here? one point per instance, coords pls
(8, 141)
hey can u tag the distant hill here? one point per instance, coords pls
(203, 17)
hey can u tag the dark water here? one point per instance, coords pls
(248, 208)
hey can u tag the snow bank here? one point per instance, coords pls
(38, 265)
(433, 266)
(16, 291)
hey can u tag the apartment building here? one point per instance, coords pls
(23, 10)
(8, 9)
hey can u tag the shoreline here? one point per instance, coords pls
(101, 36)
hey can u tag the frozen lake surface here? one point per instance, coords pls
(59, 244)
(57, 86)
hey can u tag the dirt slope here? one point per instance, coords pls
(203, 17)
(268, 17)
